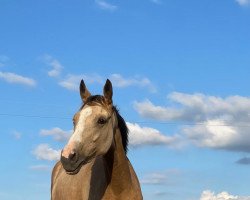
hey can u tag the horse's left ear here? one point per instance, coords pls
(85, 94)
(108, 91)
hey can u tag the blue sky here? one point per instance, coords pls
(180, 71)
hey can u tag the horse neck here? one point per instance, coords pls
(118, 165)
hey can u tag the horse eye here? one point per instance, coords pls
(101, 120)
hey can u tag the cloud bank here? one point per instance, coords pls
(214, 122)
(142, 136)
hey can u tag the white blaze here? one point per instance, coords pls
(77, 136)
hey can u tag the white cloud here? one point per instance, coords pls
(214, 135)
(40, 167)
(17, 135)
(160, 193)
(156, 1)
(72, 82)
(243, 2)
(209, 195)
(3, 60)
(57, 134)
(160, 178)
(105, 5)
(45, 152)
(119, 81)
(154, 179)
(148, 110)
(141, 136)
(17, 79)
(54, 64)
(214, 122)
(244, 161)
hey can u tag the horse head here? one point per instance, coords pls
(94, 126)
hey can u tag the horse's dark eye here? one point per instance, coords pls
(101, 120)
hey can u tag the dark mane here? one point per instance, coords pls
(123, 129)
(121, 122)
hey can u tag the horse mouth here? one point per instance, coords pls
(73, 168)
(76, 169)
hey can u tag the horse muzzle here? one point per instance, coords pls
(71, 163)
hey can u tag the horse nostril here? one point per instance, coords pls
(73, 156)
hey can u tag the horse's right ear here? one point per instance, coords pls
(85, 94)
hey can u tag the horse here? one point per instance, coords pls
(93, 164)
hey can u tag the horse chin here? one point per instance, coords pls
(75, 170)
